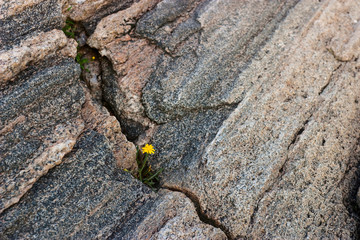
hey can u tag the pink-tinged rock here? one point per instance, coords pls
(118, 24)
(172, 216)
(34, 50)
(276, 167)
(40, 121)
(96, 117)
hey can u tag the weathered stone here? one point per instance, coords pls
(96, 117)
(118, 24)
(10, 8)
(256, 104)
(170, 23)
(123, 90)
(86, 197)
(206, 75)
(358, 198)
(33, 50)
(275, 167)
(181, 143)
(90, 13)
(29, 19)
(92, 74)
(172, 216)
(40, 121)
(123, 94)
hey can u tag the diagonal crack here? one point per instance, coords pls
(202, 216)
(294, 141)
(329, 81)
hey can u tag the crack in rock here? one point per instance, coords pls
(202, 216)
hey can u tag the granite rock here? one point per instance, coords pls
(40, 96)
(27, 18)
(123, 95)
(132, 60)
(84, 198)
(89, 13)
(98, 118)
(358, 198)
(33, 50)
(252, 106)
(203, 73)
(170, 23)
(87, 198)
(92, 76)
(118, 24)
(172, 216)
(40, 121)
(276, 167)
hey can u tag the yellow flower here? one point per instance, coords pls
(148, 149)
(93, 58)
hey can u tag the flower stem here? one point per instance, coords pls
(153, 176)
(142, 167)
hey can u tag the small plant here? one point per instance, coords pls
(69, 29)
(81, 60)
(145, 174)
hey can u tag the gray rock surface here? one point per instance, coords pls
(90, 13)
(276, 166)
(28, 20)
(40, 121)
(358, 198)
(170, 216)
(128, 74)
(86, 197)
(252, 107)
(205, 74)
(50, 187)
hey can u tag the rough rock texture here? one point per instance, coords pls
(252, 107)
(40, 121)
(275, 168)
(87, 198)
(123, 91)
(358, 198)
(61, 150)
(98, 118)
(172, 216)
(170, 23)
(92, 76)
(40, 108)
(118, 24)
(205, 75)
(27, 18)
(34, 50)
(123, 86)
(90, 12)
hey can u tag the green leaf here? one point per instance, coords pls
(71, 23)
(154, 176)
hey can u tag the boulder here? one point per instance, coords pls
(252, 108)
(26, 18)
(40, 120)
(86, 197)
(89, 13)
(275, 166)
